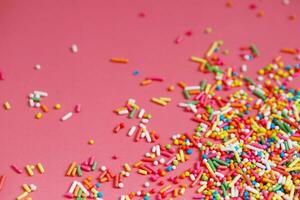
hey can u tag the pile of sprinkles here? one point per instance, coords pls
(247, 142)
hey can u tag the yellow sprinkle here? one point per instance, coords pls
(26, 188)
(29, 170)
(91, 142)
(39, 115)
(57, 106)
(198, 60)
(143, 172)
(159, 101)
(22, 196)
(181, 155)
(127, 167)
(294, 162)
(292, 169)
(200, 189)
(167, 99)
(41, 168)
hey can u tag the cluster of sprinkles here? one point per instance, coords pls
(247, 142)
(131, 109)
(27, 188)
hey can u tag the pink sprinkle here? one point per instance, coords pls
(252, 6)
(91, 160)
(189, 33)
(178, 40)
(78, 108)
(155, 79)
(69, 195)
(142, 14)
(86, 168)
(16, 169)
(1, 76)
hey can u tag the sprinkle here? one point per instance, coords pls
(37, 67)
(178, 39)
(22, 196)
(29, 170)
(163, 101)
(135, 73)
(44, 108)
(16, 169)
(39, 115)
(67, 116)
(7, 105)
(171, 88)
(208, 30)
(74, 48)
(119, 60)
(91, 142)
(41, 168)
(1, 76)
(2, 180)
(78, 108)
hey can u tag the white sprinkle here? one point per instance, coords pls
(141, 113)
(131, 131)
(67, 116)
(244, 68)
(73, 186)
(40, 93)
(37, 67)
(33, 187)
(147, 184)
(74, 48)
(103, 168)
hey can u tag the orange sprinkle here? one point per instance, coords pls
(119, 60)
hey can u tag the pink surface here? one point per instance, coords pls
(41, 32)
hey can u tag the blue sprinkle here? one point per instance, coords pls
(169, 168)
(98, 184)
(100, 194)
(136, 72)
(146, 197)
(189, 151)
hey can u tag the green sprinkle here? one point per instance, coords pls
(249, 80)
(259, 94)
(168, 146)
(277, 187)
(131, 114)
(211, 165)
(220, 161)
(202, 85)
(94, 167)
(254, 50)
(186, 94)
(79, 193)
(79, 171)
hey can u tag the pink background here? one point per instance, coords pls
(41, 32)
